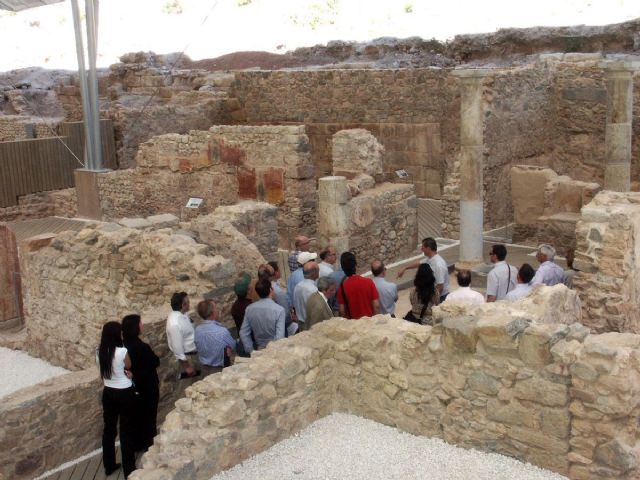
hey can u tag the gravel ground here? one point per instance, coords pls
(345, 446)
(19, 370)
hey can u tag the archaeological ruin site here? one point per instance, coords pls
(211, 168)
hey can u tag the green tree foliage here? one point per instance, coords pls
(173, 7)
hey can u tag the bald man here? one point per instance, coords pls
(388, 291)
(302, 244)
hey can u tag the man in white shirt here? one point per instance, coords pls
(438, 266)
(464, 294)
(180, 333)
(503, 277)
(388, 291)
(304, 290)
(328, 255)
(549, 272)
(523, 289)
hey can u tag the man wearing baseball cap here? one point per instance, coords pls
(297, 276)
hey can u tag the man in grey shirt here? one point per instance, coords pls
(264, 318)
(388, 291)
(437, 264)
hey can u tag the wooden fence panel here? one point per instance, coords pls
(43, 164)
(75, 132)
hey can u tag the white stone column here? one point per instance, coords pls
(471, 163)
(333, 215)
(619, 79)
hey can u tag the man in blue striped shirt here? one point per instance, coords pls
(213, 341)
(264, 318)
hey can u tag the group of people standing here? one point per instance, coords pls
(264, 312)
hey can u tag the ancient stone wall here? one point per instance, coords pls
(608, 257)
(60, 203)
(517, 128)
(171, 169)
(50, 423)
(152, 95)
(415, 148)
(549, 394)
(383, 223)
(580, 109)
(414, 113)
(75, 281)
(221, 166)
(256, 221)
(547, 206)
(17, 127)
(374, 221)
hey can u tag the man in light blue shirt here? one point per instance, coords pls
(264, 318)
(549, 273)
(297, 276)
(213, 341)
(388, 291)
(304, 290)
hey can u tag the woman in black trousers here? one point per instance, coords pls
(144, 363)
(118, 400)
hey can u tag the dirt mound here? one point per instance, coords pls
(262, 60)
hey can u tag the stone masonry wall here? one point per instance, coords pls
(16, 127)
(387, 99)
(517, 129)
(75, 281)
(414, 147)
(60, 203)
(549, 394)
(383, 223)
(257, 221)
(225, 164)
(608, 257)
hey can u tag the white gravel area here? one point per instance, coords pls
(343, 446)
(19, 370)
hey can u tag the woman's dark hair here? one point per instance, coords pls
(425, 283)
(348, 263)
(130, 327)
(110, 339)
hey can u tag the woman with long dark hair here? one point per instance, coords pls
(144, 363)
(423, 296)
(118, 400)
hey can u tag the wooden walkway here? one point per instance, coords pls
(89, 469)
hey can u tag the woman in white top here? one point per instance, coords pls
(118, 400)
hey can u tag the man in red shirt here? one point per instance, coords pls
(357, 296)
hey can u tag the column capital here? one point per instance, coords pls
(620, 65)
(471, 73)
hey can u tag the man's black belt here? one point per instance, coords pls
(191, 353)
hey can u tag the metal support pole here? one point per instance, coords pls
(92, 50)
(88, 132)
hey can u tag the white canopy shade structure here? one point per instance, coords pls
(18, 5)
(88, 78)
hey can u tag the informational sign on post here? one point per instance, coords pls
(194, 202)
